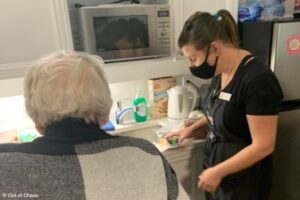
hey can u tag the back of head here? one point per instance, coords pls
(67, 84)
(203, 28)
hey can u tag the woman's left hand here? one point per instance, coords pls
(209, 179)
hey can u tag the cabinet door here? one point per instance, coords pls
(185, 169)
(182, 9)
(30, 29)
(187, 164)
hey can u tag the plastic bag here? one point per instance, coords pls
(249, 12)
(252, 10)
(270, 3)
(273, 11)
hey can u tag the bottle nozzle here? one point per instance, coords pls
(138, 91)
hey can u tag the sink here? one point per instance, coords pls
(147, 131)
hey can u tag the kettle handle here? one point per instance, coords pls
(195, 93)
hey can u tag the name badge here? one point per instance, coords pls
(225, 96)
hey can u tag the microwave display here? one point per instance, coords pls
(121, 32)
(164, 13)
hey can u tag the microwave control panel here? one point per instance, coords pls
(163, 28)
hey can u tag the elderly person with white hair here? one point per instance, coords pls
(68, 98)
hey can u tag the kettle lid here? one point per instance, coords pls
(176, 88)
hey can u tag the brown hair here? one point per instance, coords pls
(203, 28)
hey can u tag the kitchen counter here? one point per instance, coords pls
(152, 130)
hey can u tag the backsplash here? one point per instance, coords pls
(13, 111)
(13, 114)
(126, 91)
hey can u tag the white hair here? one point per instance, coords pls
(67, 84)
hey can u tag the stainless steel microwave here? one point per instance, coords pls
(126, 32)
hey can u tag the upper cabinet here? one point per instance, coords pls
(30, 29)
(182, 9)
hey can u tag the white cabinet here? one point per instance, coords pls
(182, 9)
(187, 163)
(30, 29)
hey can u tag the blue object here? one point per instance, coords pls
(249, 12)
(108, 126)
(252, 10)
(215, 14)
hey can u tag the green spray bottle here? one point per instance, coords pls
(140, 107)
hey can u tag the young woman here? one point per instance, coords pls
(241, 109)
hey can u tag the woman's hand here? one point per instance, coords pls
(209, 179)
(192, 128)
(8, 137)
(198, 132)
(182, 134)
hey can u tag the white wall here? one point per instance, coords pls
(11, 87)
(289, 6)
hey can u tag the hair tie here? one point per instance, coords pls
(217, 16)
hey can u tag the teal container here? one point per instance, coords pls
(27, 135)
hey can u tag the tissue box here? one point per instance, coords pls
(158, 95)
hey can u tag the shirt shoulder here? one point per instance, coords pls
(254, 69)
(259, 89)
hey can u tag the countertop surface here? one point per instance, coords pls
(133, 129)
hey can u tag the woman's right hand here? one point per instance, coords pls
(182, 134)
(191, 129)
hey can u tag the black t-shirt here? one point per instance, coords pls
(254, 90)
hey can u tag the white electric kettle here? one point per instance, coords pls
(179, 102)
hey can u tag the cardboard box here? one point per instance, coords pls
(158, 95)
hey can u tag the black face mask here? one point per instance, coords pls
(205, 70)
